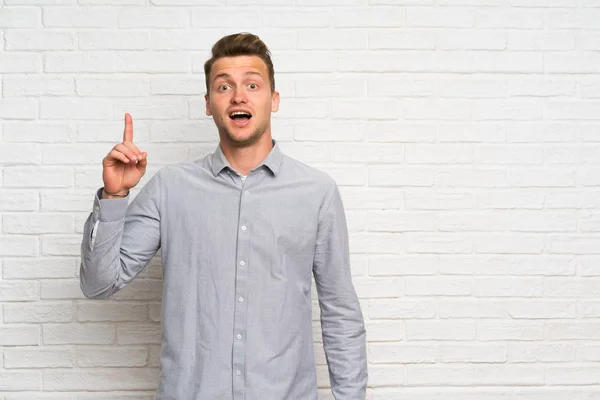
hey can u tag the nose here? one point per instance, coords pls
(238, 96)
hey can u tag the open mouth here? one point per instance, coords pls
(240, 118)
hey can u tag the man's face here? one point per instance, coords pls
(240, 99)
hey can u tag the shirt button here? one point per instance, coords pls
(241, 299)
(244, 227)
(239, 337)
(246, 192)
(242, 263)
(238, 373)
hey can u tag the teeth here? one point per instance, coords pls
(233, 114)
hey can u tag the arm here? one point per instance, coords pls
(342, 323)
(119, 241)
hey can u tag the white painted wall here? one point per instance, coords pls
(465, 135)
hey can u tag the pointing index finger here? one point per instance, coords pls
(128, 132)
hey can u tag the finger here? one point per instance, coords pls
(144, 161)
(128, 132)
(134, 149)
(117, 155)
(125, 150)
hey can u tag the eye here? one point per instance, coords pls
(253, 86)
(222, 88)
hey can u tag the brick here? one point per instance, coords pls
(380, 61)
(472, 353)
(400, 176)
(38, 312)
(36, 86)
(363, 198)
(14, 108)
(36, 223)
(40, 132)
(451, 17)
(490, 110)
(457, 330)
(20, 335)
(25, 39)
(397, 85)
(585, 352)
(437, 243)
(100, 379)
(572, 19)
(91, 311)
(61, 245)
(477, 375)
(475, 61)
(538, 177)
(510, 330)
(380, 265)
(472, 308)
(370, 152)
(381, 353)
(18, 200)
(93, 357)
(88, 333)
(385, 330)
(576, 244)
(377, 17)
(481, 132)
(397, 221)
(301, 18)
(21, 380)
(438, 200)
(80, 17)
(540, 353)
(572, 330)
(38, 268)
(438, 286)
(68, 200)
(113, 40)
(517, 19)
(480, 177)
(135, 17)
(542, 265)
(387, 375)
(571, 287)
(388, 131)
(138, 333)
(572, 375)
(338, 39)
(20, 17)
(38, 357)
(371, 110)
(466, 39)
(17, 246)
(113, 87)
(572, 63)
(509, 244)
(19, 291)
(19, 63)
(437, 109)
(542, 309)
(548, 41)
(204, 18)
(401, 309)
(93, 62)
(389, 243)
(326, 131)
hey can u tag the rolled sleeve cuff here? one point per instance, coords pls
(111, 210)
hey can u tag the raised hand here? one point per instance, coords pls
(124, 166)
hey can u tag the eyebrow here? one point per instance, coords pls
(225, 75)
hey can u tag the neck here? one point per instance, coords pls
(244, 159)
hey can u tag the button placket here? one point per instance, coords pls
(240, 312)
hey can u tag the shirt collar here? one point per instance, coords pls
(272, 161)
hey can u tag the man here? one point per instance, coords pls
(241, 231)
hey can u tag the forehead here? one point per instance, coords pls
(238, 65)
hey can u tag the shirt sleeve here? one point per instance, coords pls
(119, 240)
(344, 336)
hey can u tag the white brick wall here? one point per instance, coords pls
(465, 136)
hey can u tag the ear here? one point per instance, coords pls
(275, 101)
(208, 111)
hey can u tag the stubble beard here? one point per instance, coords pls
(256, 135)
